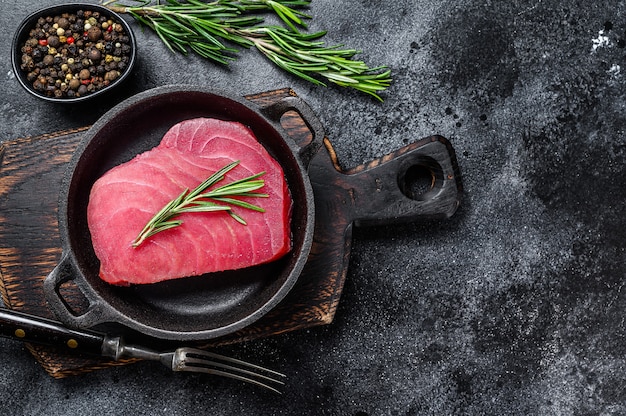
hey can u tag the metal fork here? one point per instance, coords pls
(37, 330)
(197, 361)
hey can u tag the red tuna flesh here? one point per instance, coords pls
(125, 198)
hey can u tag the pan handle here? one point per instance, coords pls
(383, 188)
(309, 145)
(96, 312)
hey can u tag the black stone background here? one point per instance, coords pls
(512, 307)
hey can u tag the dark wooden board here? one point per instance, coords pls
(370, 194)
(30, 179)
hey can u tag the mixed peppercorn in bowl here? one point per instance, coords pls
(72, 52)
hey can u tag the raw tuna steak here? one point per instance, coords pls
(125, 198)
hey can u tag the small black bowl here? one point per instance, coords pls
(29, 23)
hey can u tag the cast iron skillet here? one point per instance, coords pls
(194, 308)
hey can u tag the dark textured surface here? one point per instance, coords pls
(513, 306)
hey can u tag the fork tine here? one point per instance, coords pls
(194, 360)
(201, 353)
(191, 361)
(231, 375)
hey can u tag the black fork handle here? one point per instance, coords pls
(37, 330)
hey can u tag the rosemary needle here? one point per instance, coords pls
(201, 200)
(213, 30)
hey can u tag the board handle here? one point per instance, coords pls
(382, 190)
(96, 311)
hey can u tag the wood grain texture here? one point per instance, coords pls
(371, 194)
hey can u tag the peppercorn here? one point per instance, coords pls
(94, 54)
(74, 83)
(48, 60)
(111, 76)
(63, 23)
(53, 41)
(94, 33)
(84, 74)
(27, 62)
(37, 55)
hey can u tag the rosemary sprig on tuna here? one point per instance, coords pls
(212, 29)
(201, 199)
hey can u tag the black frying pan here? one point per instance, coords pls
(194, 308)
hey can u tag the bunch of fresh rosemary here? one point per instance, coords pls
(212, 29)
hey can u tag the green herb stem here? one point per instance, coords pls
(201, 199)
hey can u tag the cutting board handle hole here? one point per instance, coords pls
(417, 181)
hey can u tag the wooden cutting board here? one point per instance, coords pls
(31, 170)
